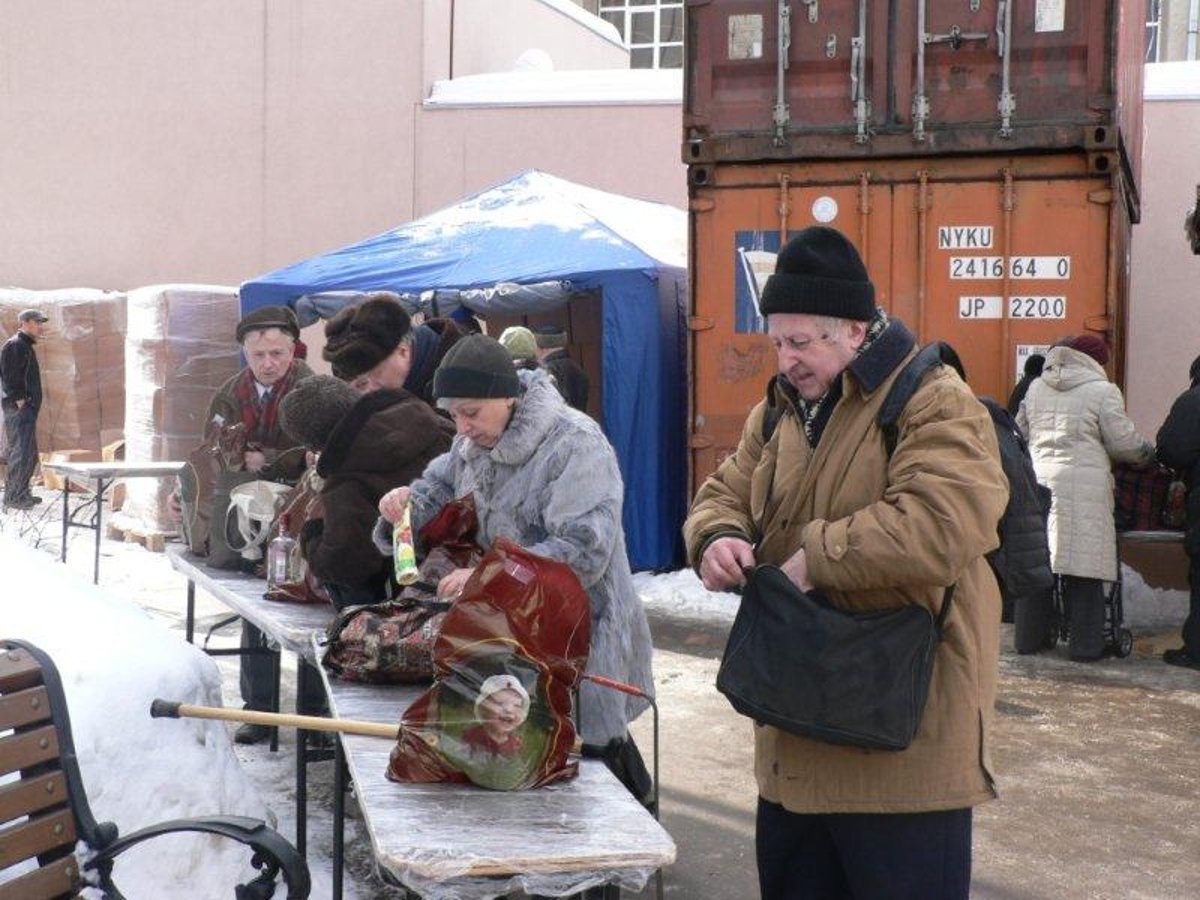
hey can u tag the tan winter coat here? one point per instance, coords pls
(1074, 419)
(878, 535)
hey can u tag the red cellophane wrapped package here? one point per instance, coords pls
(511, 649)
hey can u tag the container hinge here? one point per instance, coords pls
(700, 323)
(1102, 196)
(1007, 106)
(974, 5)
(699, 441)
(781, 115)
(858, 77)
(701, 205)
(812, 10)
(920, 112)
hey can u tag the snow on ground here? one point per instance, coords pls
(680, 595)
(114, 660)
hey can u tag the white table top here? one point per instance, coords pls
(290, 624)
(455, 840)
(116, 469)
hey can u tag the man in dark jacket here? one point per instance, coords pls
(571, 380)
(21, 398)
(374, 345)
(1178, 446)
(368, 445)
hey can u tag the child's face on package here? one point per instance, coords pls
(502, 713)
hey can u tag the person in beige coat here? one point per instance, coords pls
(822, 499)
(1074, 419)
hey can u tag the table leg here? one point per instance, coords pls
(339, 816)
(66, 523)
(191, 611)
(302, 681)
(276, 667)
(100, 486)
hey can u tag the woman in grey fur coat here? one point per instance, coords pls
(544, 476)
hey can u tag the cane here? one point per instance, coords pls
(167, 709)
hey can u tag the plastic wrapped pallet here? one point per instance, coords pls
(82, 360)
(179, 349)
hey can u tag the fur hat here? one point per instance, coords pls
(312, 408)
(519, 342)
(360, 337)
(476, 367)
(819, 273)
(550, 337)
(1093, 345)
(265, 317)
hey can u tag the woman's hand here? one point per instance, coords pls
(452, 585)
(391, 504)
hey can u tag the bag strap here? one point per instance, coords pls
(928, 357)
(947, 597)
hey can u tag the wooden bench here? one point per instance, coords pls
(290, 625)
(1157, 556)
(583, 837)
(44, 809)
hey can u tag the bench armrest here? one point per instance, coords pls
(272, 852)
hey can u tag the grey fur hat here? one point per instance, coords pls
(312, 409)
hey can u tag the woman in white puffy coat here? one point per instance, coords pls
(1074, 419)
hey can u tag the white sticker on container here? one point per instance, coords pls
(825, 209)
(980, 307)
(1055, 268)
(965, 237)
(962, 267)
(745, 37)
(1050, 15)
(1037, 307)
(1024, 351)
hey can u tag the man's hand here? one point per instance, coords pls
(723, 561)
(796, 568)
(391, 505)
(254, 460)
(452, 585)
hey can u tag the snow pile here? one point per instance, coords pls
(680, 595)
(137, 771)
(1150, 609)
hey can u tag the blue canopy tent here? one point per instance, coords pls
(531, 245)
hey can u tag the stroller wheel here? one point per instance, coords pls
(1124, 642)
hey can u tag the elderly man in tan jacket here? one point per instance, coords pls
(819, 496)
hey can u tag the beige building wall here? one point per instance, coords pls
(1164, 326)
(214, 140)
(629, 149)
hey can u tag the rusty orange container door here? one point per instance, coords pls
(998, 256)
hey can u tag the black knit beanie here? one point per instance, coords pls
(312, 408)
(265, 317)
(358, 338)
(819, 273)
(476, 367)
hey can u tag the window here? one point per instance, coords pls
(1153, 30)
(652, 29)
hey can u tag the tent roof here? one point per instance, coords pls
(533, 228)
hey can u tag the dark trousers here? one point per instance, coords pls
(838, 856)
(257, 679)
(1084, 599)
(20, 434)
(1191, 625)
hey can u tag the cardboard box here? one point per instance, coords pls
(111, 453)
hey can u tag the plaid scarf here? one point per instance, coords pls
(261, 417)
(815, 413)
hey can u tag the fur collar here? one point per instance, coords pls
(347, 429)
(538, 409)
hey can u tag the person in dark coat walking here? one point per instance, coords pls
(374, 345)
(569, 377)
(1177, 445)
(368, 445)
(21, 398)
(1034, 363)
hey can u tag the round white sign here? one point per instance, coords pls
(825, 209)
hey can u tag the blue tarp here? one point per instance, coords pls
(532, 230)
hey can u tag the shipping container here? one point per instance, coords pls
(893, 78)
(1000, 256)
